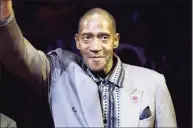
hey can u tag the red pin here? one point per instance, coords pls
(135, 99)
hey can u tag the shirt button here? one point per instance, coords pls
(105, 97)
(74, 109)
(105, 121)
(104, 82)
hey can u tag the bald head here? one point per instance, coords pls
(98, 12)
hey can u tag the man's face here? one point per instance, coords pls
(96, 41)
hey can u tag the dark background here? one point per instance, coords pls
(161, 28)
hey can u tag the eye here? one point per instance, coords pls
(87, 37)
(104, 38)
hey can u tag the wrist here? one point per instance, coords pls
(5, 9)
(7, 20)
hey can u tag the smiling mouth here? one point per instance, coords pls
(97, 57)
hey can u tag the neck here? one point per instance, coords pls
(109, 66)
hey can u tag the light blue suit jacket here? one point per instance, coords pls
(74, 98)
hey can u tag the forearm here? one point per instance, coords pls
(19, 56)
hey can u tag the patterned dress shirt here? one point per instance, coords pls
(109, 92)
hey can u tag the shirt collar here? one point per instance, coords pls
(116, 76)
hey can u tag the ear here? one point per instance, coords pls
(116, 41)
(76, 37)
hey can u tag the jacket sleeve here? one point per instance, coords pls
(6, 122)
(165, 113)
(21, 58)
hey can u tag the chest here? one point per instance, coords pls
(74, 102)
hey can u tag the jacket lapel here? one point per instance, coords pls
(89, 98)
(130, 99)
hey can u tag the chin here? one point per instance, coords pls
(95, 68)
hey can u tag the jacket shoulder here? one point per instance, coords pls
(143, 78)
(60, 58)
(141, 71)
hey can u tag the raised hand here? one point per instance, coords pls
(5, 9)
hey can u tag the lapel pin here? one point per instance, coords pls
(135, 99)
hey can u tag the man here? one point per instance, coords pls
(6, 122)
(96, 90)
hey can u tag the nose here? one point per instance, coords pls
(96, 46)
